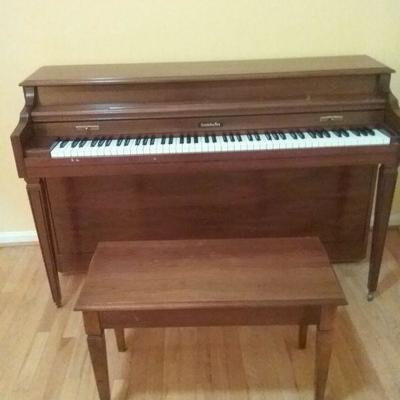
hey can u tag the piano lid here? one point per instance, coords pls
(204, 71)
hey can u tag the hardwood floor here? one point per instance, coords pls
(43, 352)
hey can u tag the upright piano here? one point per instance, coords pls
(232, 149)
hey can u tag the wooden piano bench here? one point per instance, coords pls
(285, 281)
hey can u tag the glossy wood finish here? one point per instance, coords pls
(38, 201)
(88, 101)
(194, 274)
(210, 282)
(193, 71)
(212, 205)
(45, 355)
(384, 197)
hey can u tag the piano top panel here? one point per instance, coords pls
(204, 71)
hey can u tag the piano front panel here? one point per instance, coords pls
(211, 91)
(87, 210)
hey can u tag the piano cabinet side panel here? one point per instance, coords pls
(332, 203)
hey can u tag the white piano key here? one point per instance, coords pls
(381, 137)
(67, 149)
(87, 149)
(79, 149)
(57, 151)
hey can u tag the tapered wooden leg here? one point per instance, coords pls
(323, 350)
(303, 336)
(98, 355)
(37, 198)
(384, 195)
(120, 337)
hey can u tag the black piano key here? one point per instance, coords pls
(93, 142)
(108, 141)
(214, 138)
(163, 139)
(239, 137)
(250, 137)
(225, 138)
(232, 137)
(171, 139)
(282, 135)
(82, 142)
(75, 143)
(188, 139)
(257, 136)
(181, 139)
(344, 133)
(356, 132)
(137, 140)
(326, 133)
(145, 140)
(127, 141)
(301, 134)
(101, 142)
(293, 135)
(336, 132)
(275, 135)
(363, 132)
(319, 134)
(152, 140)
(312, 134)
(64, 143)
(370, 131)
(206, 138)
(268, 136)
(119, 141)
(196, 139)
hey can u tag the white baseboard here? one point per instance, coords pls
(18, 238)
(28, 237)
(394, 219)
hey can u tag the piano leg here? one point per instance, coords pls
(37, 199)
(384, 195)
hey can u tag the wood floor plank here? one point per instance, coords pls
(44, 354)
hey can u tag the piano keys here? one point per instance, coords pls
(215, 143)
(258, 148)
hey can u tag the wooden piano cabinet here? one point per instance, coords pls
(320, 191)
(269, 203)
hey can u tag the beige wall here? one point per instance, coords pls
(37, 32)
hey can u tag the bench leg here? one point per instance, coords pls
(120, 338)
(303, 336)
(98, 355)
(323, 350)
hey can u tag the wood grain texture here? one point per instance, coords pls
(193, 274)
(38, 201)
(239, 204)
(211, 70)
(44, 352)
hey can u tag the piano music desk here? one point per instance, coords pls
(209, 283)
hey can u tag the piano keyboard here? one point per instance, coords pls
(221, 142)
